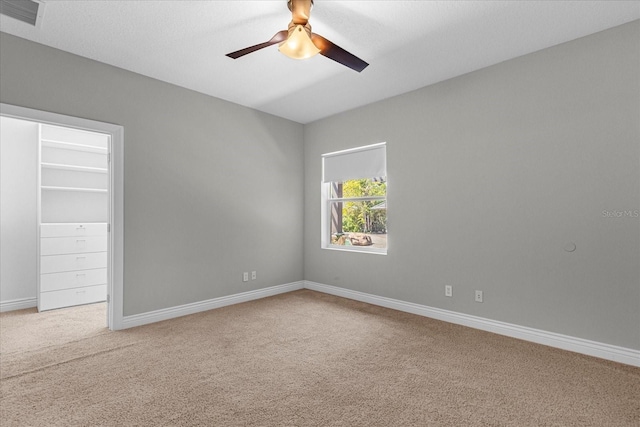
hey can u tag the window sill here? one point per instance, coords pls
(359, 249)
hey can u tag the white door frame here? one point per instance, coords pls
(115, 268)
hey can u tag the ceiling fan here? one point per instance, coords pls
(299, 42)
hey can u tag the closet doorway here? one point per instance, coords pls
(78, 217)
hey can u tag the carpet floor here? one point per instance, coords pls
(298, 359)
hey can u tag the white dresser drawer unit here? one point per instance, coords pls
(70, 262)
(72, 279)
(73, 230)
(73, 264)
(72, 245)
(70, 297)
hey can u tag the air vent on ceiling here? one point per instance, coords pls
(28, 11)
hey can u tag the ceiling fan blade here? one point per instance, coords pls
(279, 37)
(338, 54)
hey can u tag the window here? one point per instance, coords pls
(354, 199)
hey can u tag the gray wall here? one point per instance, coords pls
(18, 209)
(212, 189)
(491, 175)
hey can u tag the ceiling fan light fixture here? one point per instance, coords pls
(298, 42)
(299, 45)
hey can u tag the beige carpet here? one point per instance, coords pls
(298, 359)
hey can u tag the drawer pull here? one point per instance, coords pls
(81, 257)
(80, 274)
(80, 292)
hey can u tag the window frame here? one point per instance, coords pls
(325, 211)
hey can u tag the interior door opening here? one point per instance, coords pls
(76, 229)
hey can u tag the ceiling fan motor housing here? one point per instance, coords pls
(293, 27)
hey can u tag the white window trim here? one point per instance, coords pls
(325, 220)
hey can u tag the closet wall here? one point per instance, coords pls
(18, 219)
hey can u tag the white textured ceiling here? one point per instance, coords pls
(408, 44)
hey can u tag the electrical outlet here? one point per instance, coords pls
(245, 276)
(478, 296)
(254, 275)
(448, 291)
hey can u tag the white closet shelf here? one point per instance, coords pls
(74, 168)
(86, 190)
(71, 146)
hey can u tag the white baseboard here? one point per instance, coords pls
(18, 304)
(565, 342)
(196, 307)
